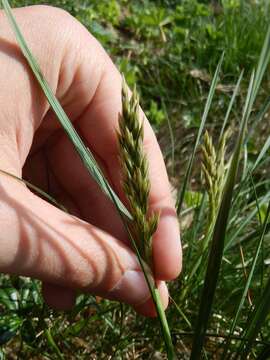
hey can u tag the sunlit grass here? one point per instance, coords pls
(221, 300)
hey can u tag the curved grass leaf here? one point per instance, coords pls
(235, 93)
(181, 194)
(233, 240)
(52, 344)
(262, 153)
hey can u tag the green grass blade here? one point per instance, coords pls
(172, 139)
(252, 236)
(247, 285)
(233, 240)
(181, 313)
(235, 93)
(84, 152)
(262, 153)
(181, 194)
(262, 65)
(258, 317)
(52, 344)
(259, 116)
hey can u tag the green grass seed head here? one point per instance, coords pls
(214, 172)
(135, 173)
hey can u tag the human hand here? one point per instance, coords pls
(88, 250)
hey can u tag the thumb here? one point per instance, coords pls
(41, 241)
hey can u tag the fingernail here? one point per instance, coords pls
(131, 288)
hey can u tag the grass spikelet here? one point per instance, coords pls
(135, 172)
(214, 172)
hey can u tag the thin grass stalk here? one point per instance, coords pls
(197, 221)
(253, 235)
(181, 193)
(181, 313)
(155, 296)
(52, 344)
(221, 336)
(232, 101)
(261, 158)
(187, 276)
(170, 132)
(262, 65)
(136, 185)
(261, 224)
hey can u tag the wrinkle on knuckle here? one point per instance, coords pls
(81, 277)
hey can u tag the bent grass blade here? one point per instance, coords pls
(181, 194)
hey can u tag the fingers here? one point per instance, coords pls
(147, 308)
(41, 241)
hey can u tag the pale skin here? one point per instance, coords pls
(88, 249)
